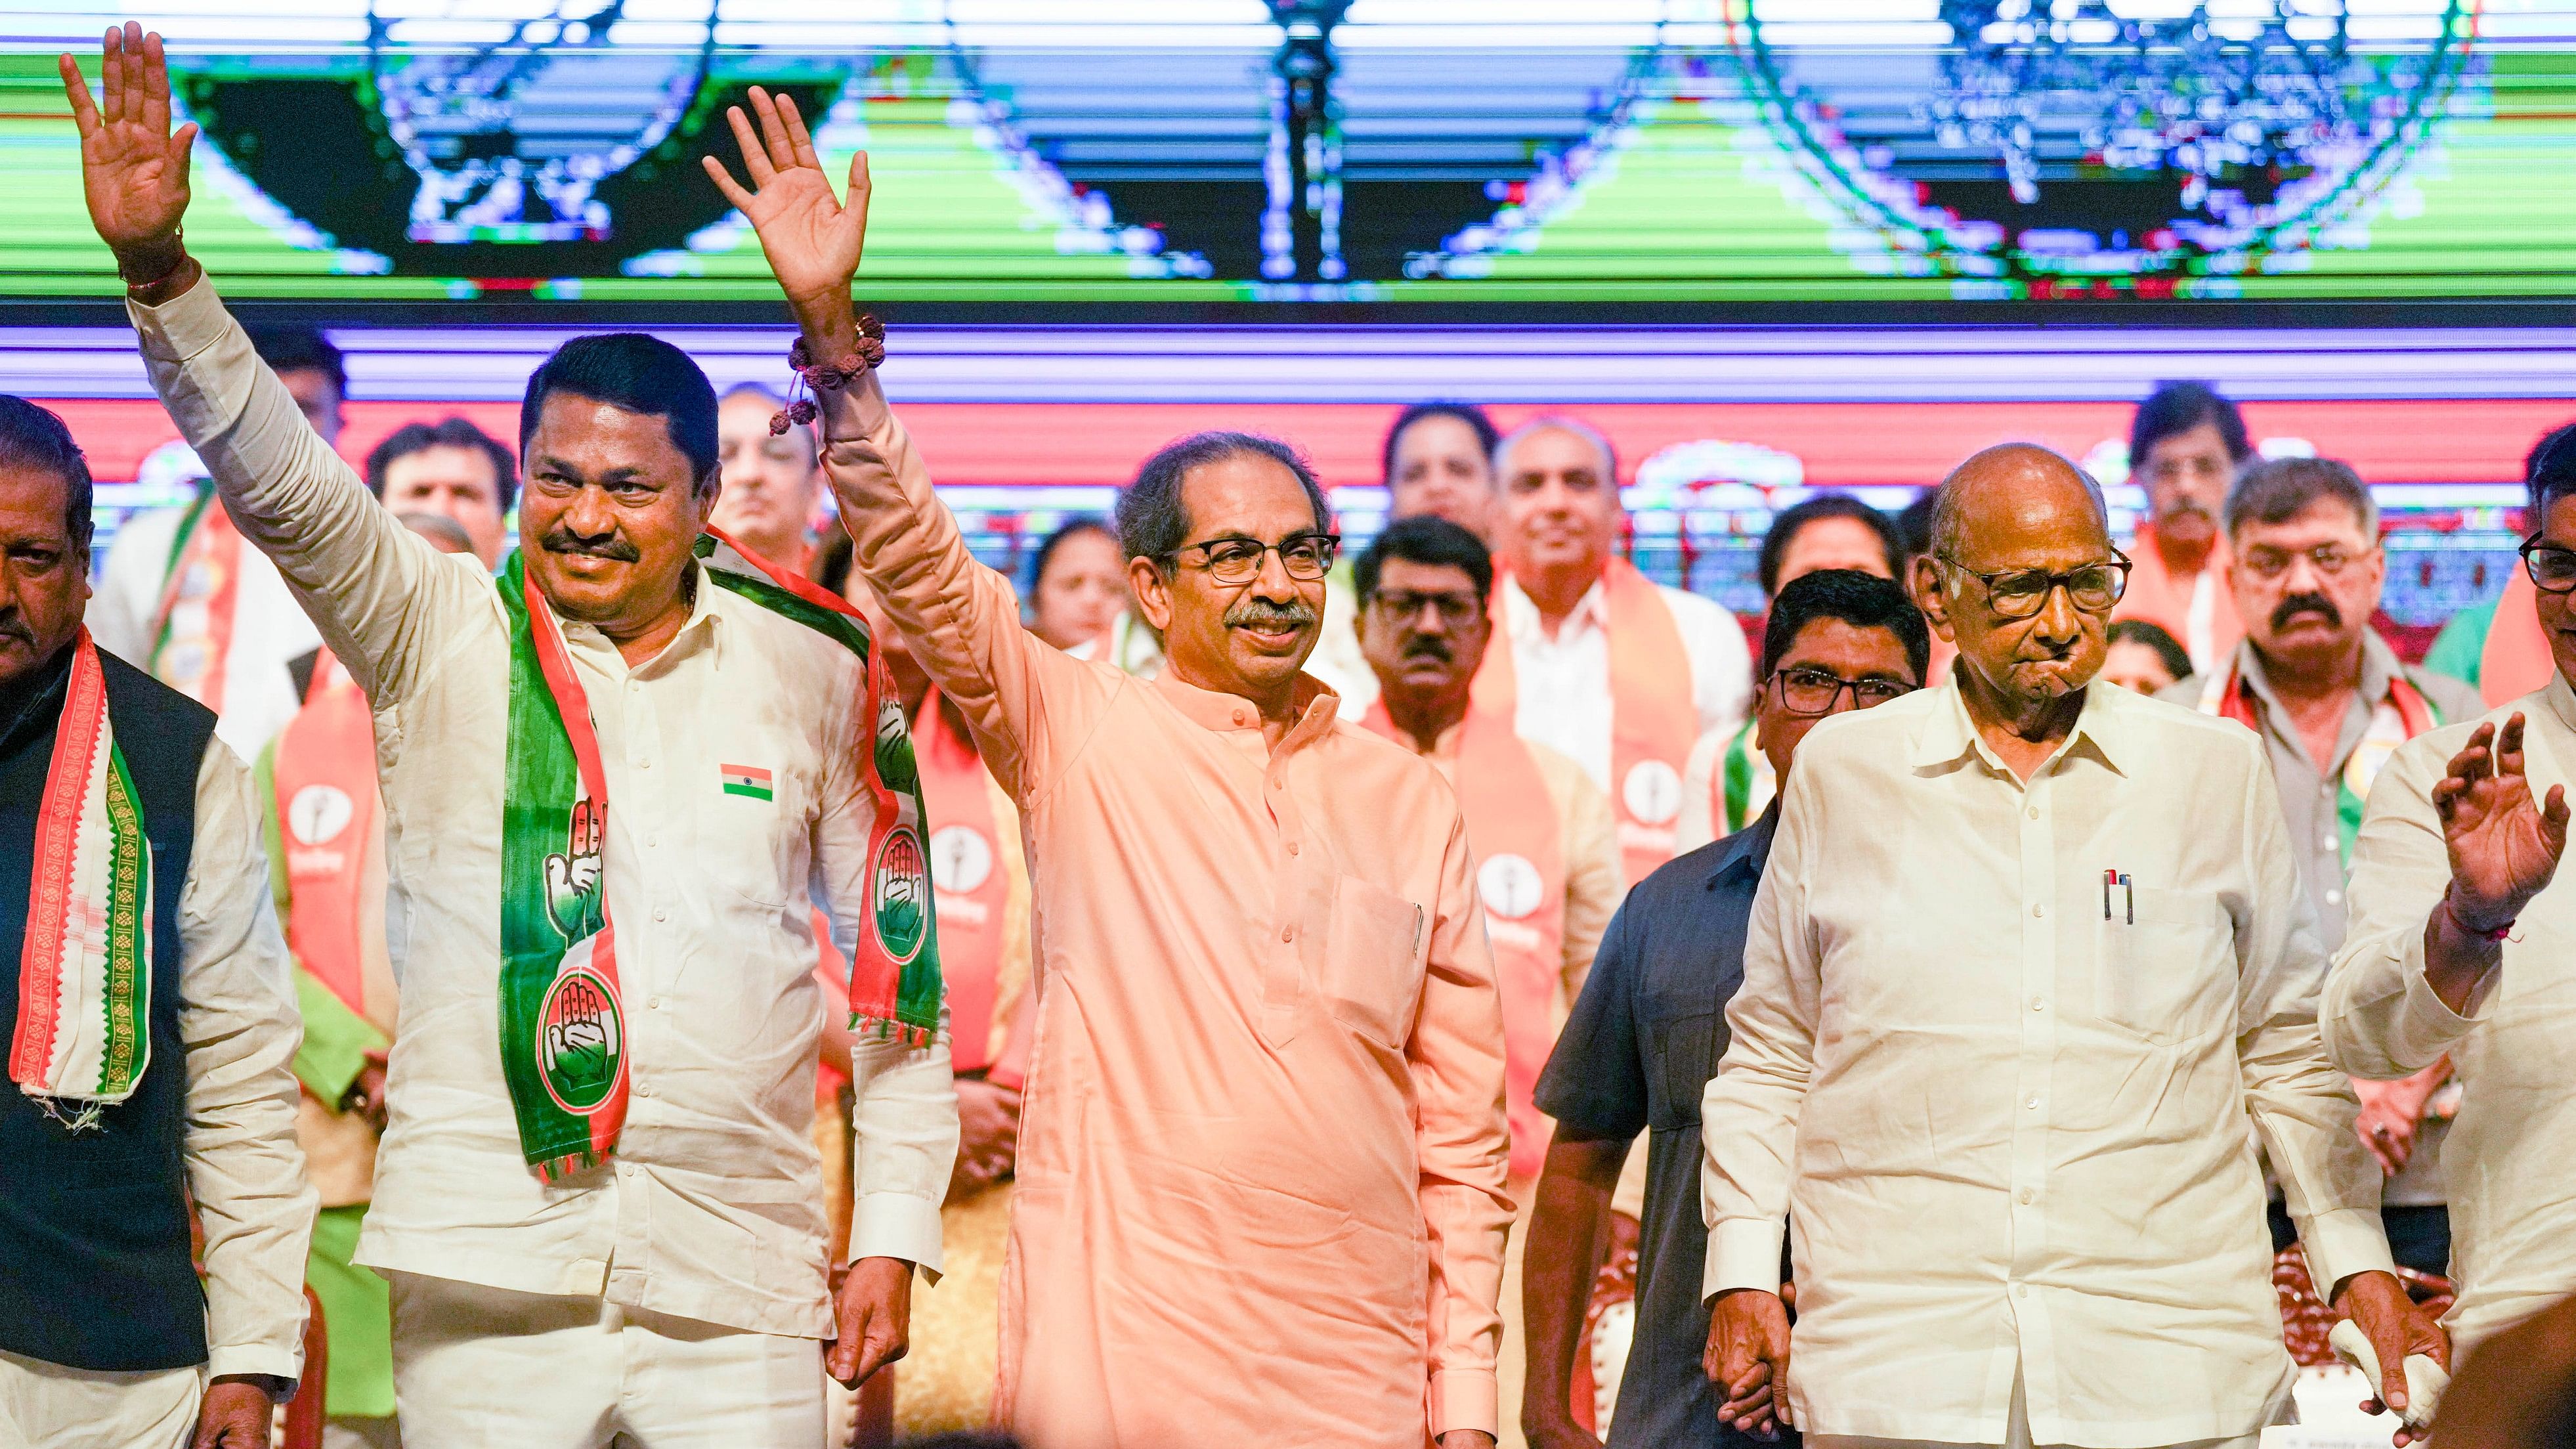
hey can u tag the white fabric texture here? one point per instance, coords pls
(2511, 1178)
(270, 630)
(1563, 684)
(476, 1368)
(714, 1208)
(47, 1406)
(2013, 1133)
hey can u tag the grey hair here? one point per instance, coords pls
(1557, 423)
(2278, 490)
(1153, 518)
(1949, 514)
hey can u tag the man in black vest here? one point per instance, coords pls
(150, 1020)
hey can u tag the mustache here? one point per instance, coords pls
(2186, 506)
(2297, 604)
(560, 539)
(13, 625)
(1430, 647)
(1264, 614)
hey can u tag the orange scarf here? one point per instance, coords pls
(324, 770)
(192, 625)
(1653, 722)
(973, 890)
(1519, 846)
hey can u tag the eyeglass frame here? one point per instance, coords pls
(1780, 676)
(2534, 545)
(1332, 552)
(1477, 608)
(2290, 556)
(2119, 563)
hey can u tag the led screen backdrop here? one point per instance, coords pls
(1375, 151)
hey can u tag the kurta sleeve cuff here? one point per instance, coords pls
(182, 327)
(856, 411)
(1464, 1399)
(896, 1225)
(2426, 1029)
(258, 1358)
(2342, 1242)
(1743, 1253)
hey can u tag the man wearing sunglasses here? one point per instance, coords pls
(2029, 954)
(1648, 1030)
(2331, 700)
(1262, 1149)
(2461, 945)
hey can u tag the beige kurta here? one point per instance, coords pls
(1262, 1156)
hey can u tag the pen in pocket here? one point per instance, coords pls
(2128, 896)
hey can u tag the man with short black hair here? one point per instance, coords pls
(2332, 702)
(597, 1197)
(1649, 1028)
(2186, 444)
(453, 469)
(149, 1025)
(1262, 1153)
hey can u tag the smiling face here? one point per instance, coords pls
(609, 514)
(1251, 638)
(2186, 477)
(1085, 585)
(2306, 586)
(1561, 507)
(44, 575)
(771, 483)
(1440, 469)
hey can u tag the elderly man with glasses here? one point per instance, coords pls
(2331, 701)
(2460, 946)
(2029, 954)
(1262, 1150)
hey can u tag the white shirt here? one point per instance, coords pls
(1563, 683)
(2507, 1161)
(270, 630)
(2012, 1134)
(713, 1211)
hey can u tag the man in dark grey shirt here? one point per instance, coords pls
(1647, 1033)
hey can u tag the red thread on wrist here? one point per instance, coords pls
(2460, 924)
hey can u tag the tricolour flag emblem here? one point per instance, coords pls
(748, 780)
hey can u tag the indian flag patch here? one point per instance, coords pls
(750, 780)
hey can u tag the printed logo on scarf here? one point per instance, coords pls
(573, 893)
(1652, 792)
(900, 895)
(581, 1039)
(1510, 886)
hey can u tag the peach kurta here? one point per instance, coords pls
(1262, 1151)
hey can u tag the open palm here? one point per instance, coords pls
(813, 240)
(2504, 845)
(134, 171)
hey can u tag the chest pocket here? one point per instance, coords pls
(753, 826)
(1373, 959)
(2167, 976)
(1684, 1042)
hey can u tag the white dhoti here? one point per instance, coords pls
(47, 1406)
(476, 1367)
(2017, 1434)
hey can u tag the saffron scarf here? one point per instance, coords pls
(563, 1021)
(2403, 715)
(192, 626)
(85, 969)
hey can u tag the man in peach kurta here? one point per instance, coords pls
(1262, 1154)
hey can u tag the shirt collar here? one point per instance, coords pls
(1315, 704)
(2380, 667)
(1749, 848)
(708, 605)
(2562, 700)
(1592, 611)
(1947, 735)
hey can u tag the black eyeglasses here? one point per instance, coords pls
(1809, 691)
(1456, 611)
(2020, 593)
(1306, 556)
(2552, 569)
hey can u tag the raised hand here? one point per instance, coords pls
(134, 171)
(812, 239)
(2504, 846)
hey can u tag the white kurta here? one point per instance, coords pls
(2012, 1132)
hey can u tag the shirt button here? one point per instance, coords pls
(2026, 1196)
(661, 913)
(2021, 1290)
(1238, 716)
(1292, 847)
(2032, 1104)
(1287, 933)
(2034, 812)
(645, 1089)
(2038, 1004)
(2334, 898)
(2039, 910)
(2327, 842)
(644, 764)
(653, 1005)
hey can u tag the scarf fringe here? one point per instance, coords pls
(888, 1028)
(73, 1116)
(553, 1170)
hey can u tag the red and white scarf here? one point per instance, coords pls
(82, 1040)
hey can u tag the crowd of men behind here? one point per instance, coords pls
(1315, 938)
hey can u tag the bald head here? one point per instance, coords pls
(2014, 494)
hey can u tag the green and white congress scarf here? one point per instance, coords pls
(2403, 715)
(82, 1040)
(563, 1022)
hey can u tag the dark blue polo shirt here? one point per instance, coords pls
(1635, 1056)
